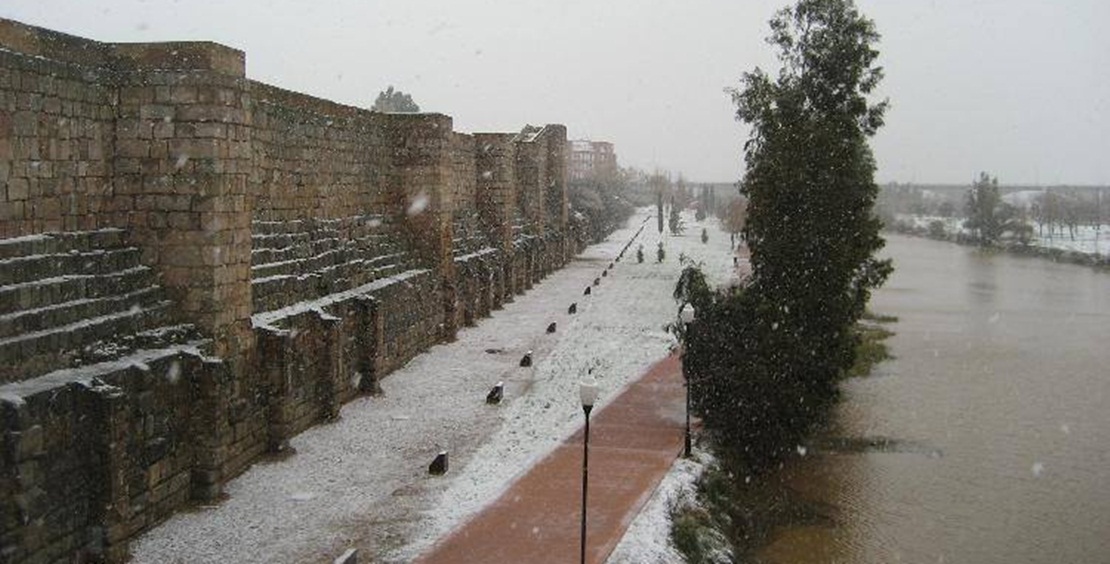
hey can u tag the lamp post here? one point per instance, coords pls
(686, 315)
(587, 391)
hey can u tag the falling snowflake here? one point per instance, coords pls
(419, 204)
(173, 373)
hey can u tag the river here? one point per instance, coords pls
(986, 439)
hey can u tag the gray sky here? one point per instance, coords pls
(1019, 88)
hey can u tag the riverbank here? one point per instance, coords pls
(981, 441)
(949, 230)
(748, 508)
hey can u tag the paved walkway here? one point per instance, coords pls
(634, 440)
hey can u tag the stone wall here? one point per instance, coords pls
(56, 136)
(195, 267)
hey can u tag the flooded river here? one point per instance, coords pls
(987, 439)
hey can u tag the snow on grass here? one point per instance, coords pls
(648, 539)
(362, 481)
(1088, 239)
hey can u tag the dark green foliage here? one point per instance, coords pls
(700, 530)
(936, 229)
(765, 361)
(390, 100)
(675, 222)
(693, 289)
(871, 349)
(990, 218)
(983, 201)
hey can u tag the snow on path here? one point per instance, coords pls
(362, 480)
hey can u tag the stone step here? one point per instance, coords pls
(301, 266)
(29, 268)
(59, 347)
(278, 240)
(277, 227)
(66, 313)
(53, 243)
(150, 357)
(155, 338)
(60, 289)
(260, 257)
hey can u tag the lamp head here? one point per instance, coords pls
(588, 391)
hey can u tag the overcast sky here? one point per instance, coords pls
(1019, 88)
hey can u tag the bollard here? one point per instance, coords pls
(438, 467)
(496, 394)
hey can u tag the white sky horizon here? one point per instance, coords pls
(1017, 88)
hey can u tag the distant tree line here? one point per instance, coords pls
(1058, 211)
(600, 202)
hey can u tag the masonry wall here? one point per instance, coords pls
(278, 254)
(315, 158)
(56, 140)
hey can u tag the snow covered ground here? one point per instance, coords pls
(1088, 239)
(362, 481)
(648, 540)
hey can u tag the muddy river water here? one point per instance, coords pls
(987, 438)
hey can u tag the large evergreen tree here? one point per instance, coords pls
(765, 358)
(810, 178)
(983, 214)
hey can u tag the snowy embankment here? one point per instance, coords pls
(1089, 240)
(648, 540)
(362, 481)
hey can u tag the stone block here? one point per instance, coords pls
(29, 443)
(132, 148)
(163, 130)
(213, 130)
(136, 95)
(17, 189)
(194, 148)
(186, 221)
(203, 112)
(157, 112)
(183, 94)
(24, 124)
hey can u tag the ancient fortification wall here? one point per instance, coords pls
(194, 267)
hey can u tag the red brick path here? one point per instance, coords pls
(634, 441)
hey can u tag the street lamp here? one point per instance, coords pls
(587, 391)
(686, 316)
